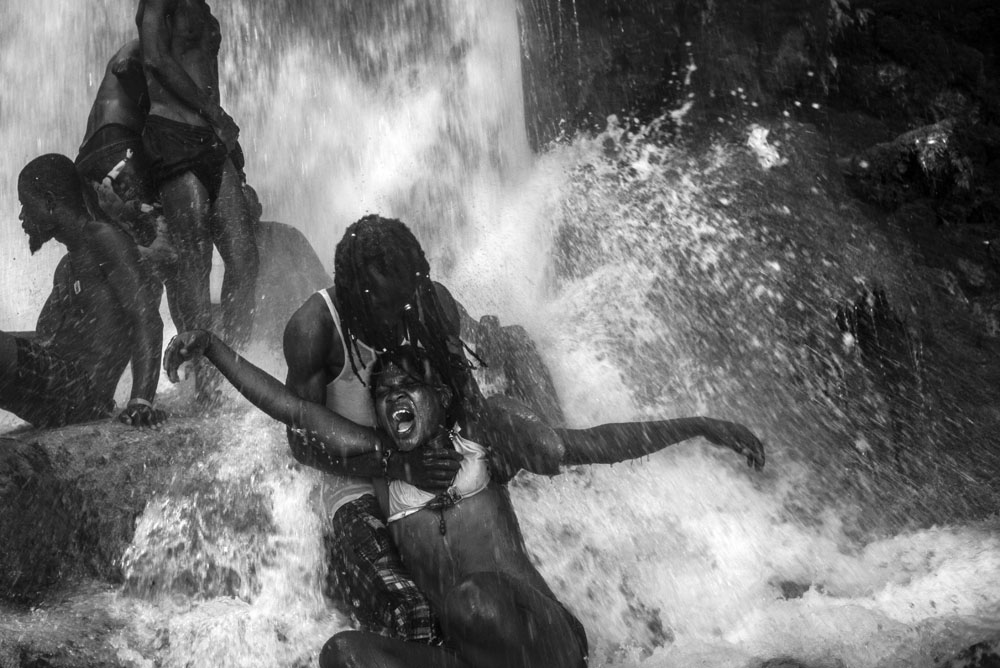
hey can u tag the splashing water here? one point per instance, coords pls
(658, 279)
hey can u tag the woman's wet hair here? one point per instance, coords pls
(53, 174)
(388, 246)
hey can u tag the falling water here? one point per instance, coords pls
(658, 281)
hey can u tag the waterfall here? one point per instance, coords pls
(416, 114)
(657, 280)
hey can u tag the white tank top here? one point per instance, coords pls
(349, 396)
(472, 478)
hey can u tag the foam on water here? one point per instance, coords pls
(227, 568)
(649, 296)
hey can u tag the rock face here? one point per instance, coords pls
(69, 498)
(90, 510)
(289, 272)
(513, 367)
(586, 59)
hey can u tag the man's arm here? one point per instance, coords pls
(119, 261)
(306, 343)
(612, 443)
(339, 436)
(307, 339)
(155, 34)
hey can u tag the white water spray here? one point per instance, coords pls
(648, 295)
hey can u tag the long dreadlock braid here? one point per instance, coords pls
(388, 245)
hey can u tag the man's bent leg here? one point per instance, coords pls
(47, 390)
(493, 620)
(234, 235)
(186, 207)
(356, 649)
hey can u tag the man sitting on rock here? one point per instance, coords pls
(101, 314)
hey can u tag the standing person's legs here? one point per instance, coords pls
(234, 235)
(186, 207)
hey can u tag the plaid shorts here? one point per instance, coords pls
(50, 391)
(368, 576)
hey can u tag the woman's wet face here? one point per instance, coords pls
(409, 404)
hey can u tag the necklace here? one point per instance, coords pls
(450, 497)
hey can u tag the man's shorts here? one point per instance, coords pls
(49, 391)
(174, 148)
(367, 574)
(106, 149)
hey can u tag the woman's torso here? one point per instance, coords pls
(481, 533)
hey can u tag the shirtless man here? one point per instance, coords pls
(196, 163)
(112, 152)
(101, 314)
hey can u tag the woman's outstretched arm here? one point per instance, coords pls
(346, 438)
(612, 443)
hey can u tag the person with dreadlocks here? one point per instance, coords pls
(382, 297)
(463, 545)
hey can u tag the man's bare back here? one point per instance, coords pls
(121, 97)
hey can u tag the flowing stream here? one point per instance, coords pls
(658, 281)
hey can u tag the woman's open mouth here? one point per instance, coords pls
(403, 420)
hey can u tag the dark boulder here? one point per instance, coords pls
(289, 272)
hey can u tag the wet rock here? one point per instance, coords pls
(917, 62)
(928, 161)
(201, 537)
(513, 366)
(289, 272)
(890, 353)
(790, 589)
(69, 498)
(64, 632)
(981, 655)
(789, 662)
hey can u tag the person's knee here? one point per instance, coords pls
(344, 650)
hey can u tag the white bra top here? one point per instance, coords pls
(472, 478)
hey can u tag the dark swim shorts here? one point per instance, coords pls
(367, 574)
(174, 148)
(49, 391)
(107, 148)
